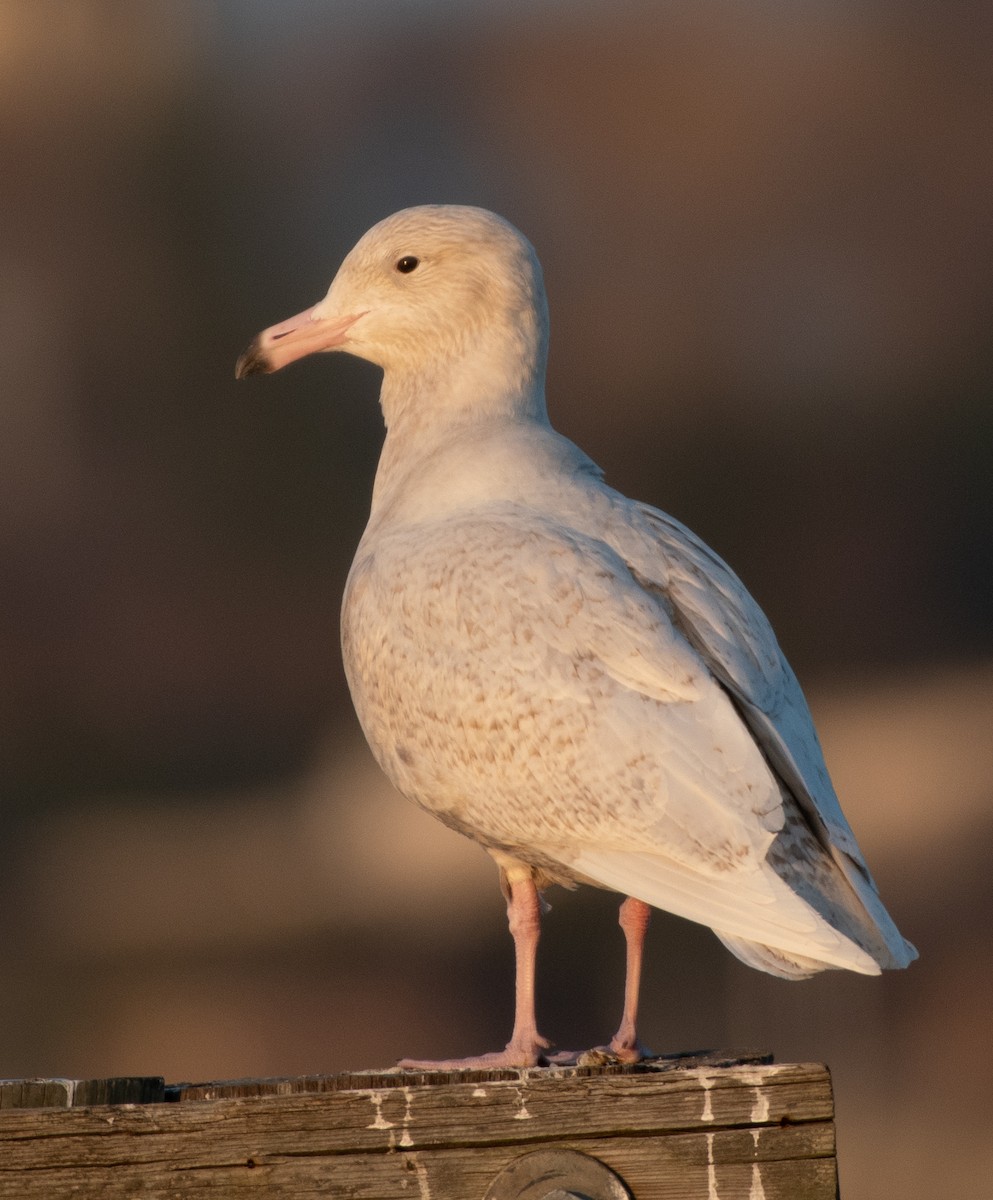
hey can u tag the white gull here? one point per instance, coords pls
(569, 677)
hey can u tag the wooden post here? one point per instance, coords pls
(714, 1127)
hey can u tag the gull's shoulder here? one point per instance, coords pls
(478, 467)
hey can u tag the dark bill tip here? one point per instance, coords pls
(252, 362)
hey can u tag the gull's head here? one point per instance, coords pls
(443, 293)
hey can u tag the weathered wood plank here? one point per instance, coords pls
(749, 1131)
(538, 1105)
(393, 1077)
(656, 1168)
(67, 1093)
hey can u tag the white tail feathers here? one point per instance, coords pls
(760, 919)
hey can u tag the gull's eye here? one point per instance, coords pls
(407, 264)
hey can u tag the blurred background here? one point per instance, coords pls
(767, 241)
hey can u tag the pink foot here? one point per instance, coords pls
(527, 1054)
(624, 1045)
(526, 1047)
(619, 1051)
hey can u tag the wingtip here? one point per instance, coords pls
(910, 954)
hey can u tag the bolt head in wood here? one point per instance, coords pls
(557, 1174)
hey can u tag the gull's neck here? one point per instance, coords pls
(498, 372)
(499, 378)
(428, 410)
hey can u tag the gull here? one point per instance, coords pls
(567, 676)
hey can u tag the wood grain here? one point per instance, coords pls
(749, 1131)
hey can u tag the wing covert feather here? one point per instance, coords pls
(717, 615)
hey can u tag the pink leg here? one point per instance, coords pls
(633, 919)
(526, 1045)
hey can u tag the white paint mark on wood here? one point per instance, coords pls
(522, 1113)
(479, 1094)
(706, 1082)
(756, 1191)
(377, 1103)
(760, 1109)
(756, 1074)
(423, 1186)
(711, 1167)
(408, 1098)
